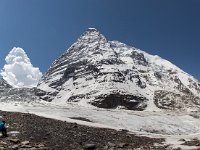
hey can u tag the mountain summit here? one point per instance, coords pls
(4, 84)
(110, 74)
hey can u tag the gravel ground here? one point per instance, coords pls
(42, 133)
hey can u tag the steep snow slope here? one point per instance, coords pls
(110, 74)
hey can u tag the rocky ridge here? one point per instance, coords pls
(10, 94)
(4, 84)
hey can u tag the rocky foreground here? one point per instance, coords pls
(28, 131)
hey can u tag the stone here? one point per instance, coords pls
(106, 147)
(3, 143)
(122, 145)
(198, 144)
(183, 140)
(90, 146)
(111, 144)
(25, 143)
(40, 145)
(75, 125)
(33, 148)
(43, 148)
(26, 146)
(14, 140)
(15, 147)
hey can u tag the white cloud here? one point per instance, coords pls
(18, 70)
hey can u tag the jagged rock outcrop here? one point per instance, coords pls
(4, 84)
(110, 74)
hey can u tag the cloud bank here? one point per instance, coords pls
(18, 70)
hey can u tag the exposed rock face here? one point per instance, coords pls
(110, 74)
(4, 84)
(115, 99)
(173, 101)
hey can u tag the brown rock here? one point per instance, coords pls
(90, 146)
(26, 146)
(15, 147)
(122, 145)
(14, 140)
(2, 148)
(25, 143)
(111, 144)
(3, 143)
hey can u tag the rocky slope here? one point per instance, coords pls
(9, 94)
(26, 131)
(110, 74)
(4, 84)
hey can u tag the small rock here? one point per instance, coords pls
(48, 133)
(33, 148)
(25, 143)
(144, 148)
(122, 145)
(15, 147)
(2, 148)
(75, 125)
(198, 144)
(114, 133)
(195, 139)
(90, 146)
(26, 146)
(43, 148)
(45, 138)
(3, 143)
(15, 140)
(106, 147)
(124, 130)
(40, 145)
(111, 144)
(183, 140)
(128, 136)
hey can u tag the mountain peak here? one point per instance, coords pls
(91, 35)
(110, 74)
(4, 84)
(92, 30)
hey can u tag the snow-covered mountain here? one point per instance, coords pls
(110, 74)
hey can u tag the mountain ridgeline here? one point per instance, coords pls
(110, 74)
(10, 94)
(95, 72)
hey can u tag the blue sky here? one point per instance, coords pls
(46, 28)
